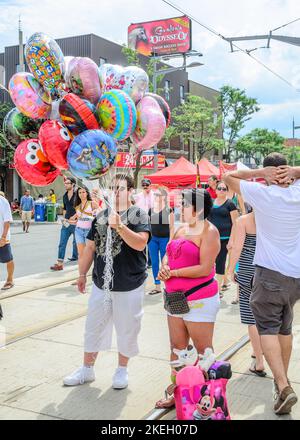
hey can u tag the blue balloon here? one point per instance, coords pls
(91, 154)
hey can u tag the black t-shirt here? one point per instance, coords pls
(160, 222)
(69, 205)
(130, 266)
(221, 218)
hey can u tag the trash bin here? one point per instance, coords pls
(40, 212)
(51, 212)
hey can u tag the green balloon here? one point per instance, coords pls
(18, 127)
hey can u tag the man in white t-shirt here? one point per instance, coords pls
(276, 286)
(5, 249)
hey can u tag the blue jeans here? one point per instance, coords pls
(157, 246)
(65, 234)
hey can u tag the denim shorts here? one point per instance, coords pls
(80, 235)
(6, 254)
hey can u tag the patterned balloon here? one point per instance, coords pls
(29, 96)
(132, 79)
(82, 77)
(164, 106)
(151, 123)
(56, 140)
(17, 127)
(45, 60)
(117, 114)
(77, 114)
(91, 154)
(32, 164)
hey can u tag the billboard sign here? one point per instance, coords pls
(162, 37)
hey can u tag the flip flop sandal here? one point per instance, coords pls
(225, 287)
(260, 373)
(7, 286)
(168, 401)
(234, 302)
(154, 292)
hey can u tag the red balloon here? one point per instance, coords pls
(77, 114)
(55, 139)
(32, 165)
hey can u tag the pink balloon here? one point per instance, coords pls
(82, 77)
(151, 124)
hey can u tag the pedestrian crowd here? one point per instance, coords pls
(237, 231)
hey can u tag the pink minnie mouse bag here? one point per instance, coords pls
(197, 399)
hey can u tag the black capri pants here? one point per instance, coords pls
(221, 258)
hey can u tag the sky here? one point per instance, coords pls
(278, 101)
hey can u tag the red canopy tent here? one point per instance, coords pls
(181, 173)
(206, 169)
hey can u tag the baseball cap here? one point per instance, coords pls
(146, 182)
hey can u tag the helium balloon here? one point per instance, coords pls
(45, 60)
(91, 154)
(32, 164)
(77, 114)
(29, 96)
(164, 106)
(55, 140)
(117, 114)
(82, 77)
(17, 127)
(132, 79)
(151, 123)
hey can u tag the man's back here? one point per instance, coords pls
(277, 216)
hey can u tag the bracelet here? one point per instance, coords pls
(82, 276)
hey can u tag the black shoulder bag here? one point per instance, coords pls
(176, 303)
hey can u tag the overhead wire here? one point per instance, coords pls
(218, 34)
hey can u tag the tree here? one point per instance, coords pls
(236, 109)
(195, 123)
(7, 150)
(259, 143)
(293, 155)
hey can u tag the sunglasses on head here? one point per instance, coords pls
(117, 188)
(158, 195)
(222, 188)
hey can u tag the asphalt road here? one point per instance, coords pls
(36, 251)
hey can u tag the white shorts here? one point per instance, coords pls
(125, 315)
(202, 310)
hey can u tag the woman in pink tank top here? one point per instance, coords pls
(190, 262)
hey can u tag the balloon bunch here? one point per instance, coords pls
(70, 114)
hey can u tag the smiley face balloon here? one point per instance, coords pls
(32, 165)
(56, 140)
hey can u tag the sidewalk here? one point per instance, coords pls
(49, 323)
(33, 367)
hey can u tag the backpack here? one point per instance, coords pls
(200, 399)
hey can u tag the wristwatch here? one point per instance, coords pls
(120, 227)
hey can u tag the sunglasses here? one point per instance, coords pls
(222, 189)
(117, 188)
(145, 186)
(158, 195)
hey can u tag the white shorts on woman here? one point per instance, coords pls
(202, 310)
(125, 315)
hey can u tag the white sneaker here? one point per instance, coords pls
(120, 379)
(80, 376)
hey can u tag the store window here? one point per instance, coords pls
(102, 61)
(181, 94)
(167, 89)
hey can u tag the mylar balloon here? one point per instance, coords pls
(132, 79)
(29, 96)
(164, 106)
(32, 165)
(17, 127)
(45, 60)
(82, 77)
(151, 123)
(117, 114)
(77, 114)
(91, 154)
(55, 140)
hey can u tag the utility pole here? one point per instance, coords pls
(21, 67)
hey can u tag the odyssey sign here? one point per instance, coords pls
(161, 37)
